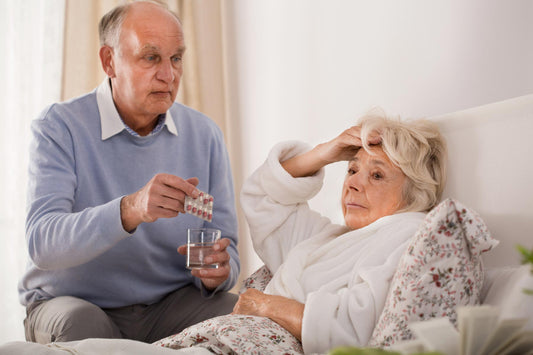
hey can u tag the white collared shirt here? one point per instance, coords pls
(110, 119)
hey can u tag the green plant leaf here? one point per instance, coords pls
(527, 258)
(527, 255)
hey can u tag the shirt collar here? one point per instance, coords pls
(110, 119)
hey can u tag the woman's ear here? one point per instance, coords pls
(106, 58)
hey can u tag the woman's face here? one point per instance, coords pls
(372, 188)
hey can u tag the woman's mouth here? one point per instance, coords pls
(354, 205)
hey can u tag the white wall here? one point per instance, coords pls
(308, 68)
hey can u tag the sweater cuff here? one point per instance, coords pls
(110, 221)
(280, 185)
(117, 217)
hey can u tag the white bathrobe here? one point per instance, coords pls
(341, 276)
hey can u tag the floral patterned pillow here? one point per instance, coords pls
(236, 334)
(440, 270)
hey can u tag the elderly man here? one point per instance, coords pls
(109, 172)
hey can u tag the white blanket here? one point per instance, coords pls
(94, 347)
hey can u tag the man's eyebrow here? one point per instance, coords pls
(149, 48)
(153, 48)
(181, 50)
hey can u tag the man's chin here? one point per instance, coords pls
(160, 106)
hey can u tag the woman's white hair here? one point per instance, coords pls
(417, 147)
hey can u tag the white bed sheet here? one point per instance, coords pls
(94, 347)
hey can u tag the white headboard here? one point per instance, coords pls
(491, 170)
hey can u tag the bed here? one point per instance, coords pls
(490, 171)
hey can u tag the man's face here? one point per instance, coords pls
(147, 64)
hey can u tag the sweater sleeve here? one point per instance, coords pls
(275, 206)
(57, 237)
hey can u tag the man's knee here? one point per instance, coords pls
(88, 321)
(66, 319)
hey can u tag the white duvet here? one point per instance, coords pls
(94, 346)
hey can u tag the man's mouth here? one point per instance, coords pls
(161, 93)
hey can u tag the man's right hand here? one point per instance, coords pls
(162, 197)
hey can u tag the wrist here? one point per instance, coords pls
(127, 216)
(322, 155)
(306, 164)
(288, 313)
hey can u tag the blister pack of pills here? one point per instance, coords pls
(201, 207)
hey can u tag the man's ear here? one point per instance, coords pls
(106, 58)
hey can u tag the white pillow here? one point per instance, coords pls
(504, 287)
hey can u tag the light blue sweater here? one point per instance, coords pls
(76, 242)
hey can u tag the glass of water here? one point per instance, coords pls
(200, 242)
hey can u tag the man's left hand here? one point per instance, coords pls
(212, 278)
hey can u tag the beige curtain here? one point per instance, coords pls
(81, 67)
(209, 71)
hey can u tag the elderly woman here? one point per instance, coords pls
(330, 281)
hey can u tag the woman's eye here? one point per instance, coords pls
(377, 176)
(351, 171)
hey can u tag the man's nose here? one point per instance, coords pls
(165, 71)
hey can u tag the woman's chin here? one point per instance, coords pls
(355, 224)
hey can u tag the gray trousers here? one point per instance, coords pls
(68, 318)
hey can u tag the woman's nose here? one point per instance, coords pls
(355, 181)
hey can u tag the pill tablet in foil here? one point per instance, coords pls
(201, 207)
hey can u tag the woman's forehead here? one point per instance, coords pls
(376, 157)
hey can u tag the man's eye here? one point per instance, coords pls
(176, 59)
(377, 176)
(150, 58)
(351, 171)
